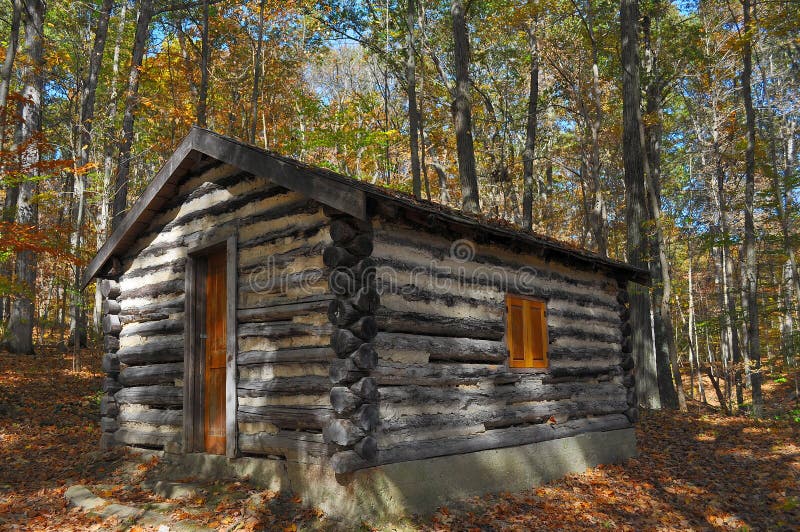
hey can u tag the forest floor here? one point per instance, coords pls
(699, 470)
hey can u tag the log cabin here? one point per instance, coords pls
(373, 353)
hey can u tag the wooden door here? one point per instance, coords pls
(215, 354)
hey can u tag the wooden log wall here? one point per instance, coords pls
(353, 397)
(109, 409)
(283, 334)
(442, 374)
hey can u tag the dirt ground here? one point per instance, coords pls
(696, 471)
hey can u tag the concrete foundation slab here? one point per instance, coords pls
(387, 492)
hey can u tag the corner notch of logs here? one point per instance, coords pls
(354, 395)
(627, 363)
(112, 326)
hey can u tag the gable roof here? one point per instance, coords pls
(329, 188)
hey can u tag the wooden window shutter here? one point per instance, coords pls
(526, 332)
(516, 334)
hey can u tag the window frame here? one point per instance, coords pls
(529, 304)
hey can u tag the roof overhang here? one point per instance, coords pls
(329, 188)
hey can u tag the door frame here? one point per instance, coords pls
(194, 347)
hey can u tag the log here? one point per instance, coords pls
(175, 286)
(108, 424)
(344, 401)
(367, 448)
(282, 329)
(141, 438)
(537, 413)
(111, 363)
(151, 416)
(342, 231)
(284, 417)
(365, 271)
(154, 328)
(344, 342)
(299, 446)
(110, 306)
(158, 395)
(152, 352)
(366, 300)
(305, 354)
(154, 311)
(586, 371)
(365, 357)
(622, 297)
(336, 257)
(108, 288)
(283, 385)
(342, 313)
(448, 326)
(629, 380)
(111, 324)
(282, 312)
(366, 417)
(367, 389)
(365, 328)
(360, 246)
(627, 345)
(107, 441)
(151, 374)
(342, 282)
(627, 362)
(442, 348)
(111, 385)
(342, 432)
(110, 343)
(434, 374)
(108, 406)
(344, 372)
(347, 461)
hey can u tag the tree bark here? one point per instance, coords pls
(751, 273)
(462, 111)
(21, 319)
(10, 202)
(530, 129)
(669, 378)
(635, 206)
(131, 102)
(77, 318)
(257, 74)
(202, 100)
(413, 111)
(8, 64)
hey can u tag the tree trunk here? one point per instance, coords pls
(257, 74)
(635, 207)
(202, 99)
(108, 153)
(462, 111)
(669, 378)
(751, 274)
(8, 66)
(10, 202)
(413, 112)
(21, 319)
(530, 130)
(77, 315)
(131, 101)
